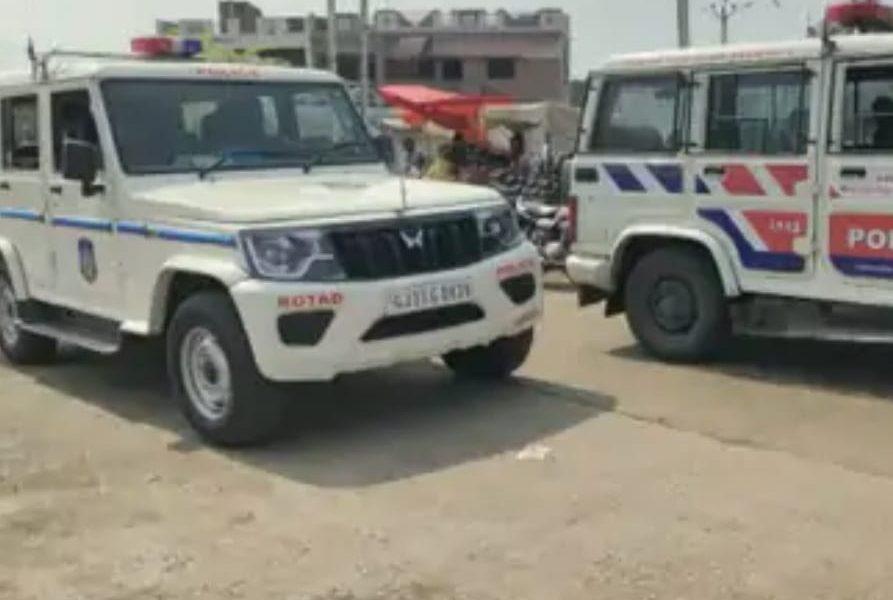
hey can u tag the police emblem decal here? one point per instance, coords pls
(87, 260)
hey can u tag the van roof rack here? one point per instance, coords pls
(40, 62)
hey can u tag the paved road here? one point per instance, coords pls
(766, 475)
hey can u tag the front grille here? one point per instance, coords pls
(423, 322)
(409, 247)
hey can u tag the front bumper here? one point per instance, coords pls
(357, 307)
(588, 271)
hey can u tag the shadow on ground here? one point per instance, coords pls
(362, 430)
(843, 367)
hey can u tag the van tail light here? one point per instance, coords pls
(572, 214)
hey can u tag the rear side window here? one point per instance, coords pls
(759, 113)
(21, 149)
(868, 109)
(639, 115)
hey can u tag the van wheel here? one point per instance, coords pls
(20, 347)
(214, 376)
(496, 361)
(675, 305)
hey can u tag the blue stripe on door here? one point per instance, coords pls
(669, 176)
(624, 178)
(750, 257)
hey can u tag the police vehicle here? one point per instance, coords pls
(243, 213)
(740, 189)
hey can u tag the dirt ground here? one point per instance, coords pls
(597, 474)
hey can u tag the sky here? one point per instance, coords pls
(600, 28)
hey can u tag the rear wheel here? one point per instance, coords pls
(676, 306)
(20, 347)
(497, 360)
(215, 378)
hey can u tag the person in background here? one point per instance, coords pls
(410, 158)
(444, 167)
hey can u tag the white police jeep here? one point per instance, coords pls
(244, 213)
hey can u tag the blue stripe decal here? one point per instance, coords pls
(83, 223)
(857, 266)
(22, 214)
(700, 186)
(132, 228)
(669, 176)
(750, 257)
(194, 237)
(624, 178)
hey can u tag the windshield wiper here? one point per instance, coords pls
(317, 158)
(222, 158)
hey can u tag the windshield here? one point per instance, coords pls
(181, 126)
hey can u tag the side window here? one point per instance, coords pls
(759, 113)
(639, 115)
(72, 120)
(21, 148)
(868, 109)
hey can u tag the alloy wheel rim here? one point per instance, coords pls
(9, 315)
(673, 306)
(206, 374)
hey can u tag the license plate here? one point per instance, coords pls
(427, 297)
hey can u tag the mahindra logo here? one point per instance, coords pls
(413, 238)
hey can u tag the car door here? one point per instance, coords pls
(22, 201)
(753, 164)
(857, 203)
(82, 232)
(630, 161)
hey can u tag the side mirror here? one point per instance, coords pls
(80, 162)
(385, 148)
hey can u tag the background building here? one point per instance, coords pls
(526, 56)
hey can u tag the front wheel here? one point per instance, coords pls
(215, 378)
(676, 306)
(20, 347)
(498, 360)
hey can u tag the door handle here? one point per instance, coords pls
(56, 189)
(4, 185)
(586, 175)
(715, 170)
(853, 172)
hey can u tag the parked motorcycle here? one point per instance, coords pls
(548, 228)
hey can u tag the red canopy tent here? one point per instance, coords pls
(459, 112)
(861, 15)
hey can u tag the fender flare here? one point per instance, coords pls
(721, 259)
(226, 272)
(14, 268)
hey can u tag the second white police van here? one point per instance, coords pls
(244, 213)
(740, 189)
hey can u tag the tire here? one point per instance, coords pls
(676, 306)
(215, 378)
(20, 347)
(499, 360)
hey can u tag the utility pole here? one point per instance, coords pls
(364, 56)
(682, 23)
(724, 10)
(333, 37)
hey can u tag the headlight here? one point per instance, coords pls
(304, 255)
(499, 230)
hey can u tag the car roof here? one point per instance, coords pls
(742, 54)
(63, 70)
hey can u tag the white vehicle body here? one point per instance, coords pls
(774, 164)
(123, 254)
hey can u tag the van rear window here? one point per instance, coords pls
(639, 115)
(759, 113)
